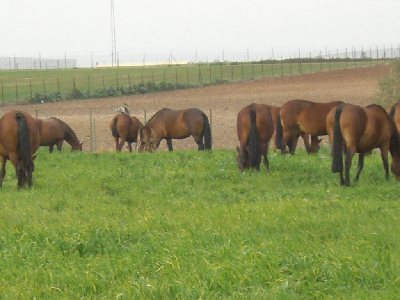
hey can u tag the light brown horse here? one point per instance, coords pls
(255, 128)
(124, 128)
(171, 124)
(53, 131)
(19, 140)
(353, 129)
(303, 118)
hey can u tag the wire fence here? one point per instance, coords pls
(38, 86)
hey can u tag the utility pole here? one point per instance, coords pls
(113, 38)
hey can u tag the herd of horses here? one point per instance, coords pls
(351, 129)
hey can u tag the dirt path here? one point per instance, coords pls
(354, 85)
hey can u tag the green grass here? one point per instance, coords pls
(189, 225)
(21, 86)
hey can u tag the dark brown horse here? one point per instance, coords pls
(19, 140)
(303, 118)
(255, 128)
(124, 128)
(353, 129)
(171, 124)
(53, 131)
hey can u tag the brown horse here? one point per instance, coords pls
(255, 128)
(19, 140)
(303, 118)
(53, 131)
(124, 128)
(171, 124)
(353, 129)
(394, 113)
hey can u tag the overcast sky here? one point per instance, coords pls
(160, 27)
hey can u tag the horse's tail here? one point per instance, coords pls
(337, 151)
(392, 111)
(114, 130)
(207, 133)
(24, 145)
(254, 141)
(279, 133)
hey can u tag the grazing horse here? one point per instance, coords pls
(124, 128)
(255, 128)
(395, 114)
(19, 140)
(53, 131)
(171, 124)
(303, 118)
(353, 129)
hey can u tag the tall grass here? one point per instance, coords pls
(189, 225)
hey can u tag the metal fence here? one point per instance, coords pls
(31, 63)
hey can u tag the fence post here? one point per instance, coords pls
(199, 75)
(165, 79)
(58, 86)
(30, 89)
(221, 71)
(44, 89)
(210, 72)
(300, 70)
(281, 67)
(242, 71)
(231, 72)
(117, 80)
(2, 92)
(91, 131)
(187, 76)
(252, 70)
(104, 86)
(16, 90)
(88, 85)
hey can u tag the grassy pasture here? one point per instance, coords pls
(19, 86)
(189, 225)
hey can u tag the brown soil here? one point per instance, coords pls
(357, 86)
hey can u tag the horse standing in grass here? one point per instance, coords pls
(303, 118)
(395, 114)
(124, 129)
(275, 118)
(255, 128)
(19, 141)
(53, 132)
(353, 129)
(171, 124)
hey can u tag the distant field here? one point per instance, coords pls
(189, 225)
(21, 86)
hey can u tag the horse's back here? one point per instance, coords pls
(9, 132)
(264, 122)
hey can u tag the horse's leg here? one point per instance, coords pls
(3, 169)
(306, 140)
(360, 165)
(349, 157)
(199, 142)
(384, 154)
(169, 144)
(264, 152)
(51, 148)
(293, 144)
(129, 146)
(59, 145)
(116, 143)
(121, 144)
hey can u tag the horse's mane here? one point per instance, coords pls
(69, 133)
(156, 115)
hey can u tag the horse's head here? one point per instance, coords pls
(314, 147)
(242, 159)
(77, 147)
(148, 139)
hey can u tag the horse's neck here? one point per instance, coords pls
(71, 137)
